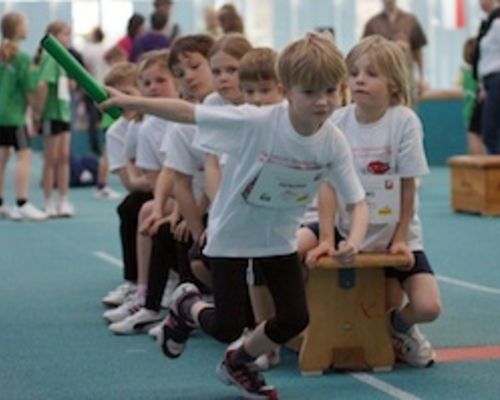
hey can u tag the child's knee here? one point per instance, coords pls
(281, 331)
(427, 310)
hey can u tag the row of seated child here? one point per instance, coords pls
(210, 136)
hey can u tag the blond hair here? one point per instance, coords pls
(54, 28)
(313, 62)
(389, 60)
(155, 57)
(120, 74)
(234, 44)
(259, 64)
(10, 24)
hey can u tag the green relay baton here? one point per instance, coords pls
(77, 72)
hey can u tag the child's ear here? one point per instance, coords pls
(281, 89)
(284, 91)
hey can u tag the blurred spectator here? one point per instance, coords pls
(122, 51)
(93, 55)
(487, 70)
(172, 30)
(229, 19)
(212, 26)
(393, 23)
(154, 39)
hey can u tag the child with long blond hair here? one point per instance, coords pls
(53, 116)
(17, 85)
(386, 139)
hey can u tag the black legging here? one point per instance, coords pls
(128, 211)
(283, 275)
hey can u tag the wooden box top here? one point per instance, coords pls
(487, 161)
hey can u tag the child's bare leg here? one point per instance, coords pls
(201, 272)
(49, 166)
(22, 174)
(4, 159)
(424, 303)
(306, 240)
(394, 294)
(102, 171)
(62, 171)
(262, 303)
(476, 145)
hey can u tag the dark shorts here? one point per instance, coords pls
(54, 128)
(422, 265)
(475, 120)
(14, 136)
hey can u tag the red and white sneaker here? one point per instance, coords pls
(177, 327)
(413, 348)
(247, 378)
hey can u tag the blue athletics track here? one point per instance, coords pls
(54, 345)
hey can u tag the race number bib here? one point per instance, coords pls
(383, 195)
(278, 186)
(63, 88)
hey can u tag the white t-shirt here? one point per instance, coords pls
(213, 99)
(183, 157)
(131, 139)
(489, 61)
(391, 145)
(256, 138)
(115, 144)
(93, 57)
(149, 154)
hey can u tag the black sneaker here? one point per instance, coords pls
(246, 378)
(176, 328)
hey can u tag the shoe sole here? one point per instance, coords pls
(228, 380)
(162, 338)
(139, 328)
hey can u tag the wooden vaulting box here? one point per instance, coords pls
(475, 184)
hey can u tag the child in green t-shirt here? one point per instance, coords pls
(17, 84)
(53, 115)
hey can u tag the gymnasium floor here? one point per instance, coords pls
(54, 344)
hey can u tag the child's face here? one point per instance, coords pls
(22, 30)
(64, 37)
(262, 92)
(225, 69)
(310, 108)
(157, 82)
(193, 74)
(369, 88)
(132, 90)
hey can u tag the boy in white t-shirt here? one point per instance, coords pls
(386, 139)
(278, 157)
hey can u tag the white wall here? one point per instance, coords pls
(268, 22)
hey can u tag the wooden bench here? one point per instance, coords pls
(475, 184)
(348, 328)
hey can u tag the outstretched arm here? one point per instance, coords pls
(175, 110)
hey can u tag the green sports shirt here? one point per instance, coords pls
(57, 104)
(17, 79)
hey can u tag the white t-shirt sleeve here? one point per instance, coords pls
(131, 140)
(179, 155)
(343, 174)
(149, 156)
(115, 145)
(411, 158)
(222, 129)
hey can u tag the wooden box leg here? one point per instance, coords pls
(348, 327)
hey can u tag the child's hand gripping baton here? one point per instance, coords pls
(77, 72)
